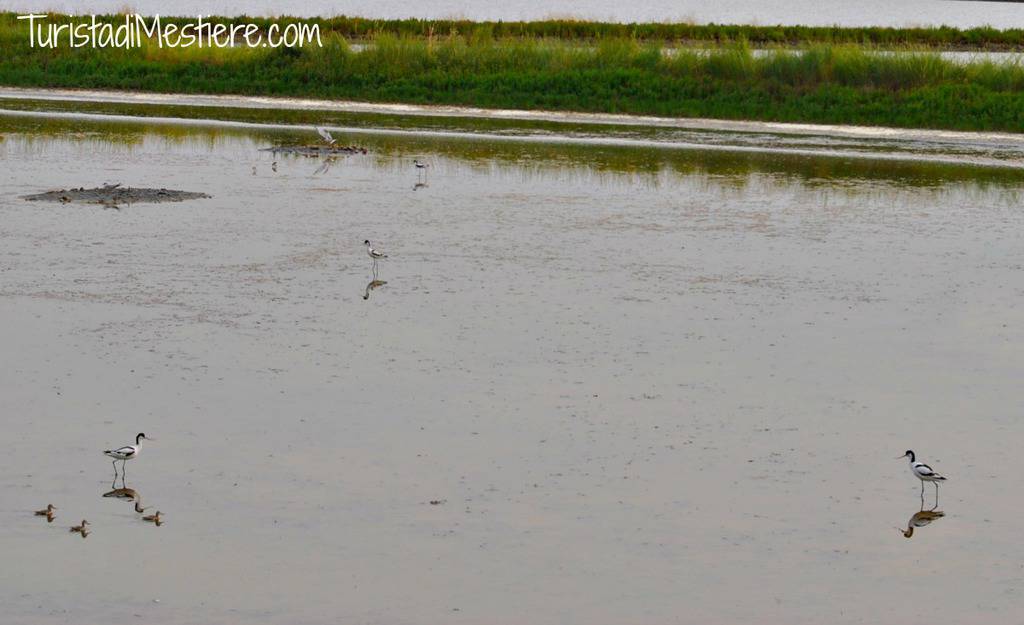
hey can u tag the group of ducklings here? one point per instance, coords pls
(83, 529)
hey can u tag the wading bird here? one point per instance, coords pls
(79, 528)
(374, 255)
(126, 453)
(924, 473)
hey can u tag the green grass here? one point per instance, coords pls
(843, 84)
(941, 37)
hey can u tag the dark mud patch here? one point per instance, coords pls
(316, 151)
(114, 195)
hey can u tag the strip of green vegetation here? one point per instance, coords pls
(824, 84)
(358, 28)
(943, 37)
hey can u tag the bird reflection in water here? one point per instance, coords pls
(920, 519)
(420, 185)
(373, 285)
(126, 494)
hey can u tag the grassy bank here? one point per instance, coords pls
(842, 84)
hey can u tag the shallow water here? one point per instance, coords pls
(645, 385)
(960, 13)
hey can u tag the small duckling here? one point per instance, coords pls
(48, 511)
(153, 518)
(80, 528)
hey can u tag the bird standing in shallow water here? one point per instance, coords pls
(48, 511)
(374, 255)
(126, 453)
(80, 528)
(924, 473)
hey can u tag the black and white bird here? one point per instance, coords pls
(419, 165)
(374, 255)
(326, 136)
(126, 453)
(924, 473)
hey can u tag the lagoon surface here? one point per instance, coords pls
(639, 384)
(961, 13)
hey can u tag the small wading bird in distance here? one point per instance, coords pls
(420, 167)
(924, 473)
(126, 453)
(80, 528)
(374, 255)
(326, 136)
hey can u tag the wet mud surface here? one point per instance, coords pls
(114, 195)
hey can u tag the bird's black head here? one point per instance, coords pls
(366, 242)
(909, 453)
(139, 437)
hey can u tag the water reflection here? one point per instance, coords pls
(325, 166)
(920, 519)
(125, 494)
(485, 144)
(373, 284)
